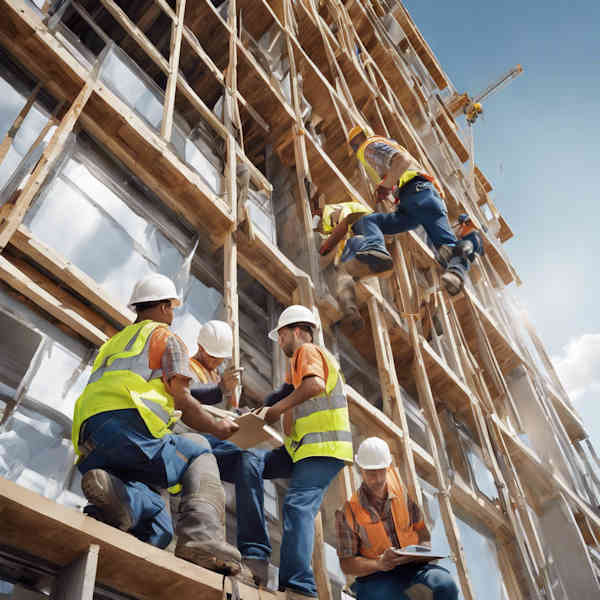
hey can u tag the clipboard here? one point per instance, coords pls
(253, 429)
(419, 554)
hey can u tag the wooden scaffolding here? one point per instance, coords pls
(463, 358)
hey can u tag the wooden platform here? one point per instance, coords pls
(58, 534)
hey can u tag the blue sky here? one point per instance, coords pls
(539, 145)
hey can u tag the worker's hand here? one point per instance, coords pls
(230, 379)
(272, 414)
(382, 193)
(390, 560)
(225, 428)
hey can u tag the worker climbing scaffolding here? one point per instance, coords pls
(419, 201)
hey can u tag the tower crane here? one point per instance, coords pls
(471, 107)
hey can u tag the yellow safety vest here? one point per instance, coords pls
(404, 178)
(346, 208)
(321, 424)
(121, 378)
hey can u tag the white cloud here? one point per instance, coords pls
(578, 365)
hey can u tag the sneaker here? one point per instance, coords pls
(108, 495)
(452, 282)
(379, 253)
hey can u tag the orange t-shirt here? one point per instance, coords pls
(308, 360)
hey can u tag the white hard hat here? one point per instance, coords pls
(216, 338)
(154, 287)
(293, 314)
(373, 453)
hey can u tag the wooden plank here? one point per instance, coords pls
(60, 534)
(70, 275)
(45, 164)
(174, 52)
(38, 294)
(77, 580)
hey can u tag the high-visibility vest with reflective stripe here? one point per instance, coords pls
(122, 378)
(374, 538)
(404, 178)
(321, 425)
(345, 208)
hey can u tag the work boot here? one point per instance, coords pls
(453, 282)
(201, 523)
(108, 497)
(446, 252)
(259, 568)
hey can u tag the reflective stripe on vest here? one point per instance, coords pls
(404, 178)
(321, 424)
(122, 379)
(373, 535)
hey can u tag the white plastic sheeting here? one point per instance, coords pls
(11, 102)
(123, 76)
(478, 545)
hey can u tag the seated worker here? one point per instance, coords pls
(138, 389)
(318, 443)
(335, 221)
(381, 517)
(419, 202)
(237, 466)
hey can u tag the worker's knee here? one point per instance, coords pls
(441, 584)
(251, 466)
(198, 439)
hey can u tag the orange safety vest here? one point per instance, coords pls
(405, 177)
(202, 373)
(376, 535)
(465, 229)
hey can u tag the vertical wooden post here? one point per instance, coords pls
(174, 53)
(77, 580)
(230, 249)
(391, 390)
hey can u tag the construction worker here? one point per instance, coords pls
(139, 387)
(468, 233)
(379, 518)
(419, 202)
(237, 466)
(318, 443)
(335, 222)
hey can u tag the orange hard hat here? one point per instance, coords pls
(356, 130)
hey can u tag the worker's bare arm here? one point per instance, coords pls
(361, 566)
(309, 388)
(193, 414)
(401, 162)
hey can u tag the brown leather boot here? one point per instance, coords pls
(107, 494)
(200, 524)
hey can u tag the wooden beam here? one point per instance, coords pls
(174, 52)
(45, 164)
(77, 580)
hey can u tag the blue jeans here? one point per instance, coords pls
(475, 238)
(394, 585)
(418, 204)
(244, 468)
(309, 479)
(123, 446)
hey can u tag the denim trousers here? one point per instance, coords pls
(418, 204)
(123, 446)
(407, 582)
(309, 479)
